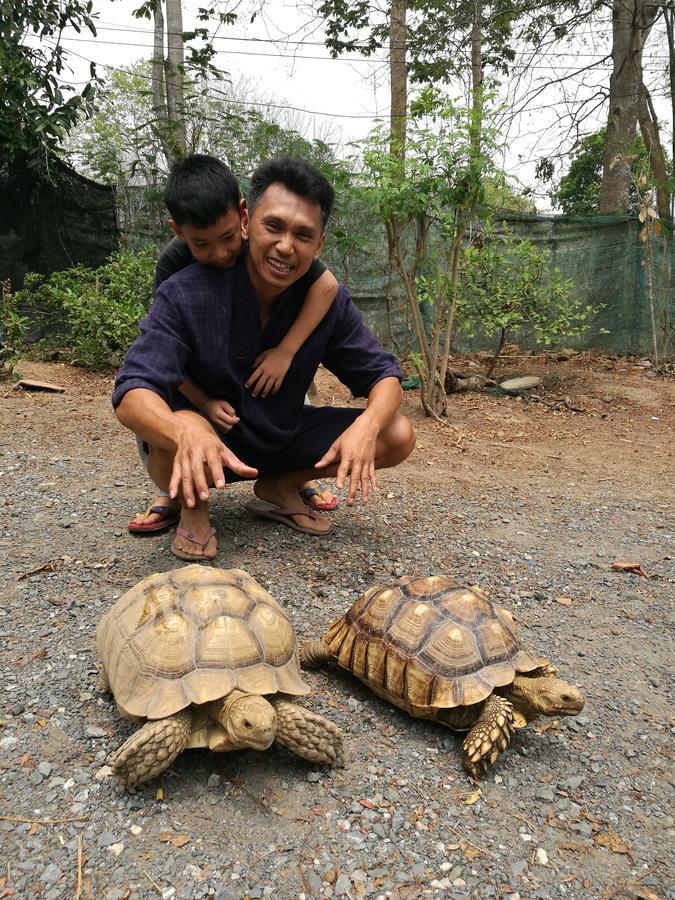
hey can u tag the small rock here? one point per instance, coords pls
(519, 868)
(103, 772)
(314, 777)
(8, 743)
(95, 731)
(106, 839)
(51, 874)
(135, 830)
(45, 769)
(541, 857)
(214, 781)
(168, 893)
(115, 849)
(544, 793)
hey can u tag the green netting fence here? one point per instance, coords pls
(603, 256)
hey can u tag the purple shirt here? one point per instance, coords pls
(205, 323)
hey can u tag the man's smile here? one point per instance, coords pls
(279, 266)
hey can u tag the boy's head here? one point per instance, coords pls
(204, 202)
(296, 175)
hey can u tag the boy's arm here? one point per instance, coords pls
(219, 412)
(272, 365)
(318, 301)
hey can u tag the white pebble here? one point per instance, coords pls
(135, 830)
(115, 849)
(103, 772)
(541, 857)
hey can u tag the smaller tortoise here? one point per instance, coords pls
(203, 657)
(445, 652)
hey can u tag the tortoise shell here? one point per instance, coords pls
(425, 643)
(193, 635)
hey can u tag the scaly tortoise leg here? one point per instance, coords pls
(489, 736)
(151, 749)
(309, 735)
(314, 654)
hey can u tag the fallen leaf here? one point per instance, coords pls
(612, 841)
(450, 847)
(473, 797)
(471, 853)
(27, 761)
(633, 567)
(166, 836)
(33, 829)
(159, 795)
(42, 722)
(180, 840)
(563, 601)
(367, 803)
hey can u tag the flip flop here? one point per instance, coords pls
(202, 541)
(318, 489)
(169, 517)
(283, 515)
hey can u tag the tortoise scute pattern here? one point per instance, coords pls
(429, 642)
(192, 635)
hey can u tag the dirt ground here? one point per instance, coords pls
(532, 498)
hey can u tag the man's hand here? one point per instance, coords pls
(198, 452)
(220, 413)
(355, 451)
(271, 367)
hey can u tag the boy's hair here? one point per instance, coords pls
(199, 190)
(299, 177)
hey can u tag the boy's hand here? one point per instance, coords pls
(271, 367)
(220, 413)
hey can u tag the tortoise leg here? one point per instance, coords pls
(314, 654)
(151, 749)
(489, 736)
(309, 735)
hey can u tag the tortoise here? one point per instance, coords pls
(205, 657)
(445, 652)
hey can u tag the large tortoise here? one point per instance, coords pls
(446, 652)
(205, 657)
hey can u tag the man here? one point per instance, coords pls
(211, 324)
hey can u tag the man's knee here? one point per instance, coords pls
(399, 441)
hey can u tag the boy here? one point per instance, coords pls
(205, 204)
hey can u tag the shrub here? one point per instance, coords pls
(93, 314)
(13, 328)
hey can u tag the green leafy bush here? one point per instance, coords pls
(508, 285)
(13, 329)
(93, 314)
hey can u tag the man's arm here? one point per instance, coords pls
(356, 447)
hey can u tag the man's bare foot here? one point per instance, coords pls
(161, 514)
(195, 522)
(284, 493)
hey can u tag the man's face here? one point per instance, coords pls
(285, 236)
(219, 245)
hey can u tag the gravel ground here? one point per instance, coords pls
(531, 501)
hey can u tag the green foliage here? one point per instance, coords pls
(13, 329)
(94, 313)
(36, 111)
(507, 285)
(578, 191)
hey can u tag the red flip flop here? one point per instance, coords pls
(284, 515)
(169, 516)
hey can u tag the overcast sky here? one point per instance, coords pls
(343, 97)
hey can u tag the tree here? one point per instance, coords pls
(578, 191)
(38, 109)
(425, 202)
(630, 104)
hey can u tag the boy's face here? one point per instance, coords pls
(219, 245)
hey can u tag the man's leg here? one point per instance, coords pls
(193, 520)
(151, 521)
(395, 443)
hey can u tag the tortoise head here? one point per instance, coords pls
(545, 695)
(250, 721)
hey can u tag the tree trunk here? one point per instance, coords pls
(398, 75)
(174, 72)
(158, 87)
(670, 30)
(649, 127)
(631, 23)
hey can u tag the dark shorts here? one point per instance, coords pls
(321, 425)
